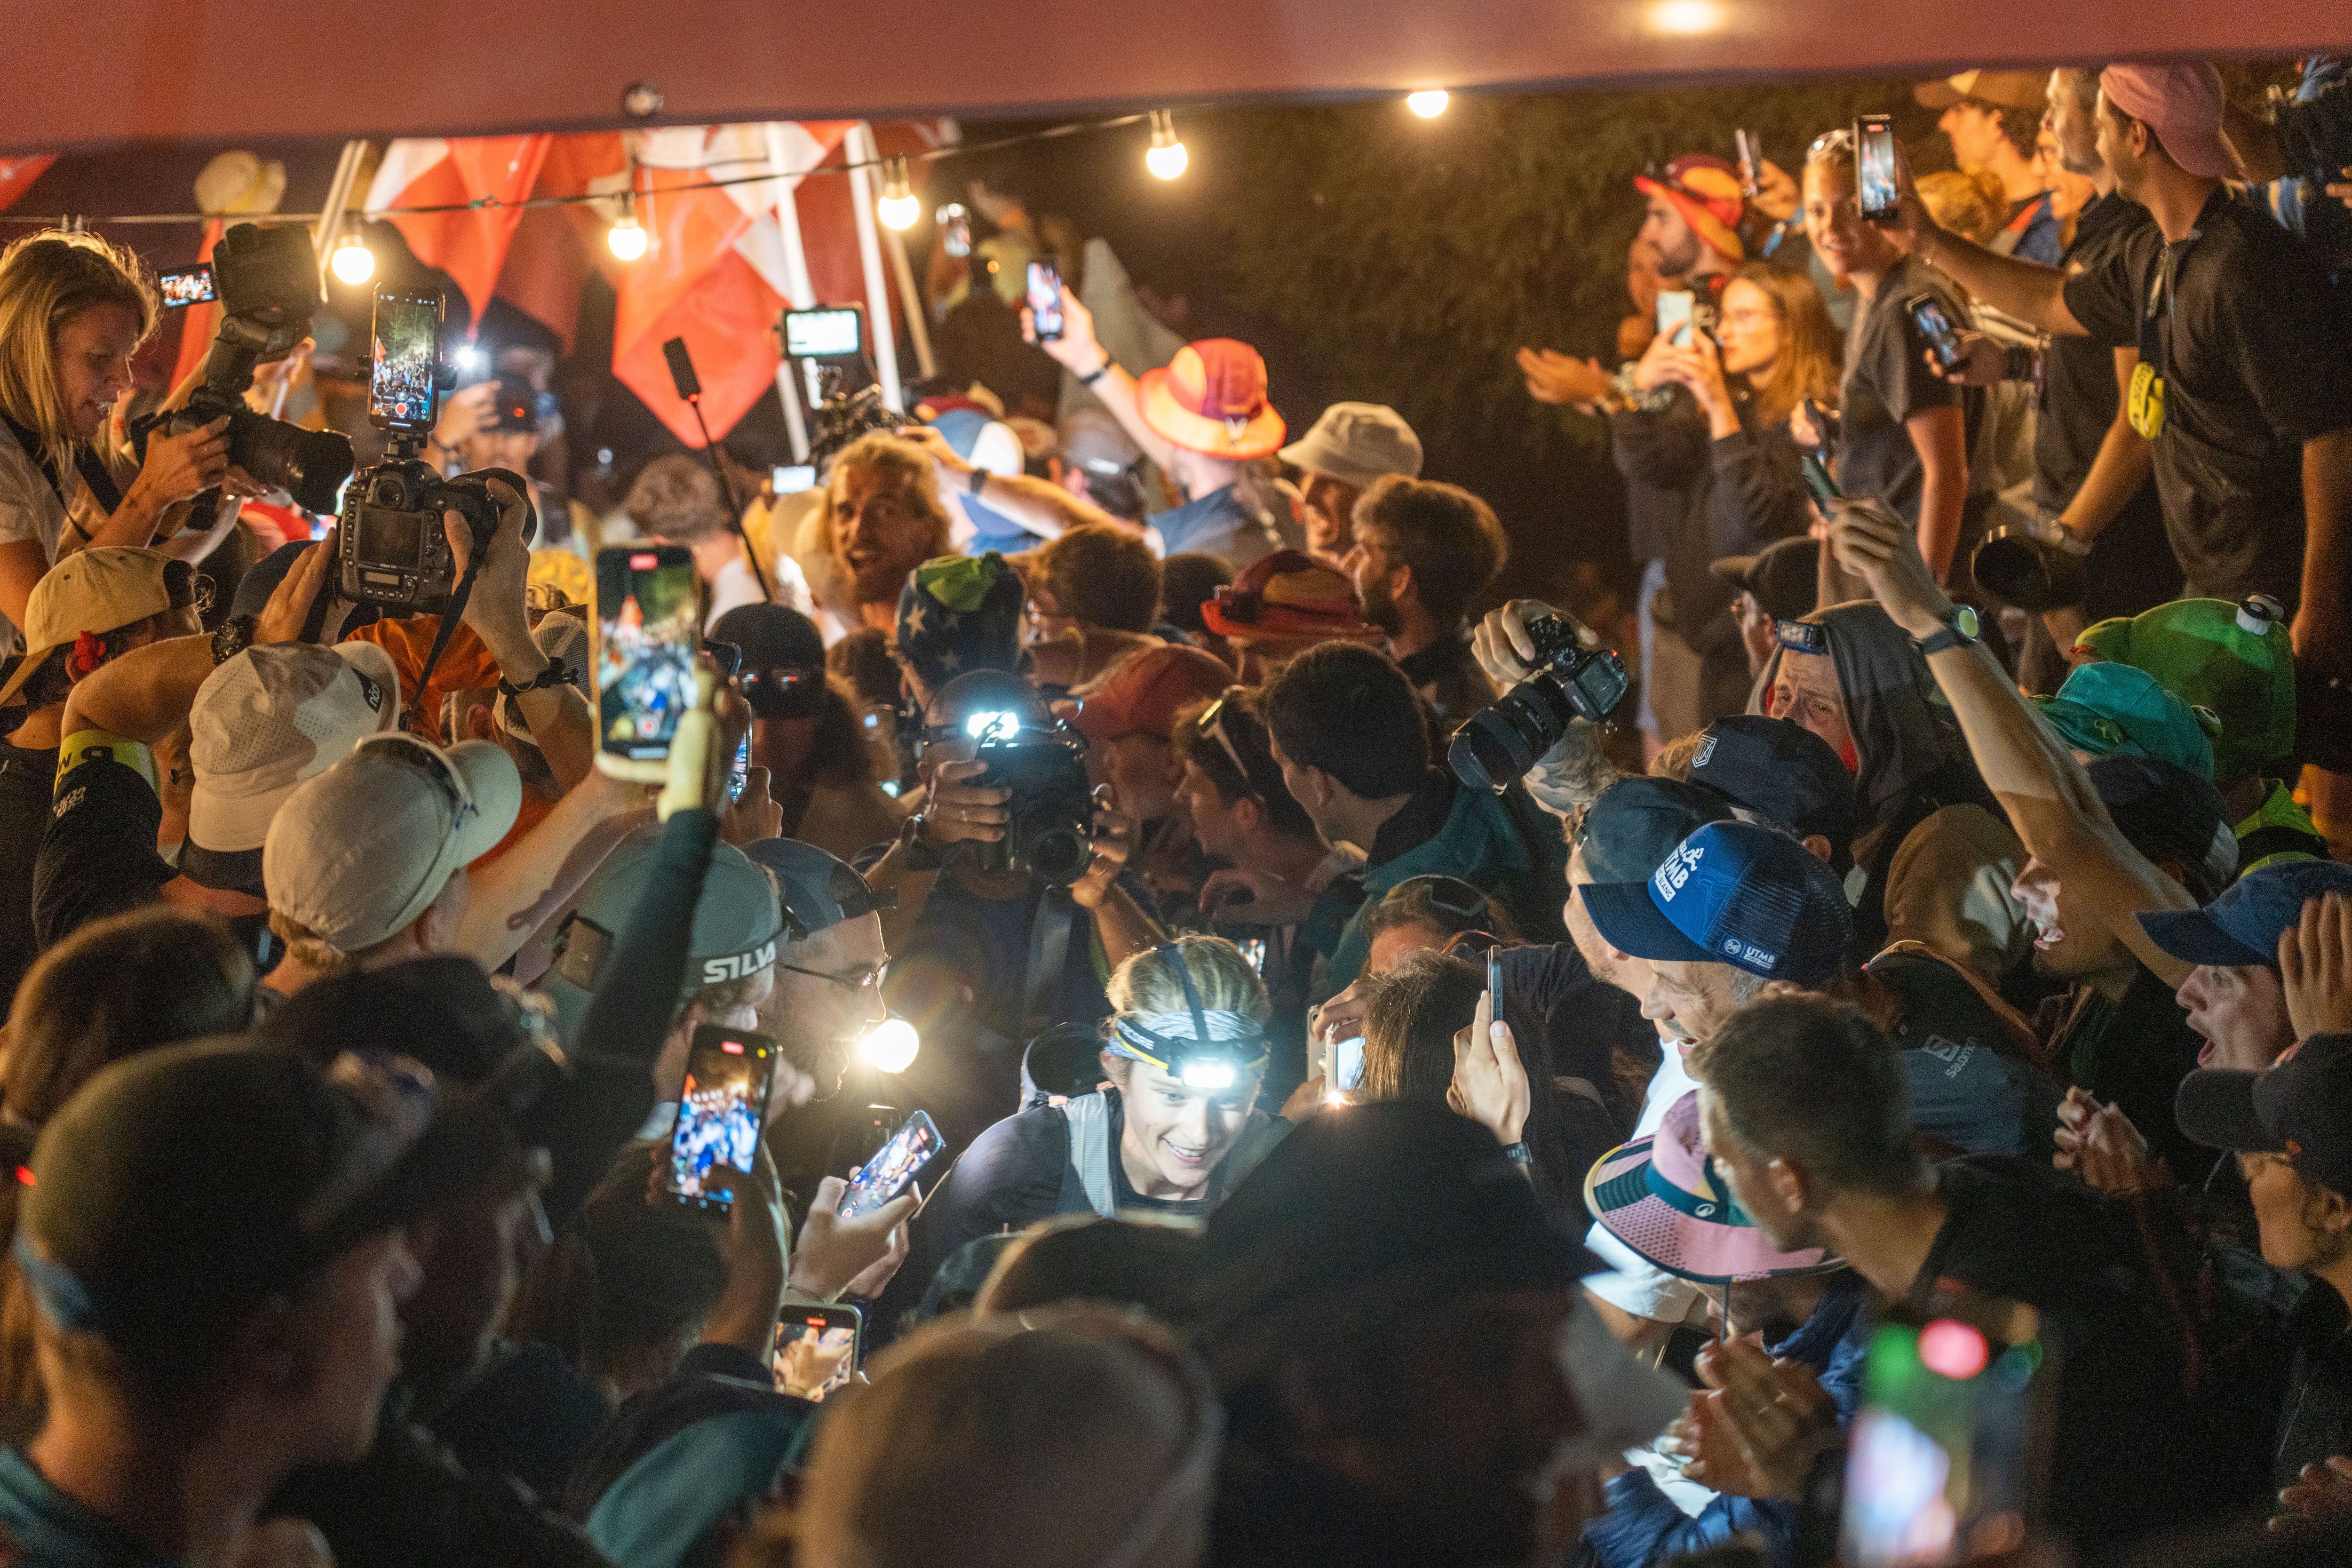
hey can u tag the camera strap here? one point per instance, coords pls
(1050, 930)
(450, 619)
(102, 488)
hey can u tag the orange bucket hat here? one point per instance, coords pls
(1211, 398)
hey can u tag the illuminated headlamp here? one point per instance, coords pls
(1205, 1074)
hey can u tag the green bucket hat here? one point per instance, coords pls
(2119, 710)
(2233, 659)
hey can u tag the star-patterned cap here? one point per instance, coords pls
(960, 613)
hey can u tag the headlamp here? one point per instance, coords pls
(1203, 1074)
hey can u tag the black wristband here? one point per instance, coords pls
(2020, 362)
(978, 482)
(553, 674)
(1099, 371)
(913, 852)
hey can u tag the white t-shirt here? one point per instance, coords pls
(30, 508)
(735, 586)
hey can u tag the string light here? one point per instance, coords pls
(353, 262)
(1428, 103)
(1167, 156)
(900, 207)
(625, 238)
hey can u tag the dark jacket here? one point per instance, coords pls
(1643, 1526)
(2318, 1419)
(1666, 451)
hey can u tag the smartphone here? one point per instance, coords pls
(649, 629)
(1675, 316)
(1495, 981)
(720, 1111)
(896, 1164)
(1945, 1461)
(1817, 480)
(186, 285)
(1046, 298)
(738, 772)
(405, 359)
(1751, 161)
(1343, 1068)
(726, 655)
(1873, 165)
(792, 479)
(817, 1350)
(836, 332)
(955, 229)
(1927, 313)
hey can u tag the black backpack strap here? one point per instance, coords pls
(1049, 952)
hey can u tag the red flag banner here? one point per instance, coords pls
(470, 246)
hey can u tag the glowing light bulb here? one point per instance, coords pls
(1428, 103)
(1166, 157)
(1687, 18)
(352, 262)
(900, 207)
(625, 238)
(890, 1046)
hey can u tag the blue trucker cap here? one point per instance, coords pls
(2241, 928)
(1733, 892)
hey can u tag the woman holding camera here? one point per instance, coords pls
(73, 310)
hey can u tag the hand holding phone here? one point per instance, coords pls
(1878, 193)
(834, 1253)
(1927, 314)
(1751, 162)
(1675, 306)
(817, 1350)
(893, 1167)
(1490, 1083)
(1045, 298)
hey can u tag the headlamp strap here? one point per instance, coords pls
(1175, 956)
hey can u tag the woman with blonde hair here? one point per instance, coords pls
(73, 310)
(1170, 1126)
(1773, 349)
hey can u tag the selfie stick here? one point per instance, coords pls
(690, 387)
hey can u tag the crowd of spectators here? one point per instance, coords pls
(1872, 1081)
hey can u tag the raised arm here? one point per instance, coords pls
(2049, 797)
(1078, 352)
(2031, 292)
(557, 714)
(1041, 506)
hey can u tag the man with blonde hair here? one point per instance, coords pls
(882, 518)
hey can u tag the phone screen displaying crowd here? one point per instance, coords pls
(719, 1109)
(894, 1164)
(649, 627)
(401, 376)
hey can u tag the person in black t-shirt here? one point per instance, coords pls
(1902, 435)
(93, 607)
(2240, 388)
(1804, 1105)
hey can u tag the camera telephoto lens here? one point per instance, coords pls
(1505, 739)
(309, 465)
(2026, 572)
(1057, 854)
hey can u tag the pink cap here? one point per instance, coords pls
(2182, 104)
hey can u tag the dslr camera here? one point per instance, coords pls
(1051, 835)
(390, 546)
(268, 282)
(1576, 677)
(843, 416)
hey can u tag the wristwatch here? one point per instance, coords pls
(235, 634)
(1959, 630)
(1519, 1153)
(913, 852)
(978, 482)
(1099, 371)
(553, 674)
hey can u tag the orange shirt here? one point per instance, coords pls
(465, 664)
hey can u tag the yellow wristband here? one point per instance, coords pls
(91, 745)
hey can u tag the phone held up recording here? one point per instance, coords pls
(1876, 194)
(1927, 313)
(894, 1165)
(1046, 298)
(818, 1349)
(719, 1112)
(648, 628)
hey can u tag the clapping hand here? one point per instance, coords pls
(2315, 964)
(1762, 1426)
(2099, 1143)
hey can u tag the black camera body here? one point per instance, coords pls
(843, 416)
(390, 547)
(1051, 835)
(268, 280)
(1576, 677)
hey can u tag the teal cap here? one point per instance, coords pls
(2120, 711)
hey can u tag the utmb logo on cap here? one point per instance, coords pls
(1676, 873)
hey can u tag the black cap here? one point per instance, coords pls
(1783, 773)
(1784, 576)
(783, 668)
(181, 1187)
(2301, 1108)
(1378, 1192)
(2169, 813)
(1633, 825)
(816, 888)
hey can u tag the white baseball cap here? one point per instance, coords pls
(1356, 443)
(272, 717)
(358, 853)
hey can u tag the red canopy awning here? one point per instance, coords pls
(84, 73)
